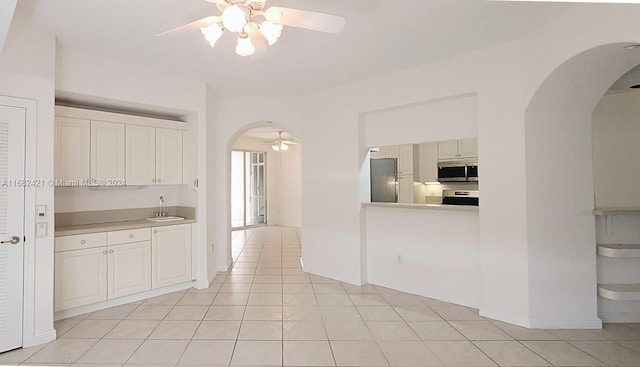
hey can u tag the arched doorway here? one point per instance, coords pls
(558, 139)
(270, 192)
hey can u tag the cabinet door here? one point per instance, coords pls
(405, 189)
(171, 255)
(80, 277)
(427, 162)
(71, 142)
(447, 149)
(468, 148)
(391, 151)
(405, 159)
(129, 269)
(168, 157)
(107, 151)
(140, 155)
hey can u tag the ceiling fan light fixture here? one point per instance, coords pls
(271, 31)
(284, 147)
(244, 46)
(212, 33)
(275, 147)
(233, 18)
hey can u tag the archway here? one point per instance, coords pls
(283, 171)
(561, 226)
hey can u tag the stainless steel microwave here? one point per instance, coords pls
(458, 171)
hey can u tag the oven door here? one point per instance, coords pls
(452, 172)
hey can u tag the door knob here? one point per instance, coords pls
(13, 240)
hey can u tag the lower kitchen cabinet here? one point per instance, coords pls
(97, 267)
(171, 255)
(80, 277)
(129, 269)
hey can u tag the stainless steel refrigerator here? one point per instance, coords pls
(384, 180)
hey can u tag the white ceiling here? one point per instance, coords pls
(380, 36)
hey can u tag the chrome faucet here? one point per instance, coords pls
(160, 213)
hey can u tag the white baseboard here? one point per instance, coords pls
(566, 324)
(65, 314)
(38, 339)
(620, 317)
(510, 319)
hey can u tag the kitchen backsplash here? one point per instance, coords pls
(432, 194)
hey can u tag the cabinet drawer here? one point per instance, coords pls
(129, 236)
(81, 241)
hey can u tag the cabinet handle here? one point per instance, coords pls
(104, 252)
(130, 236)
(83, 242)
(159, 180)
(153, 180)
(110, 251)
(155, 231)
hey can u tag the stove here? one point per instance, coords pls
(460, 197)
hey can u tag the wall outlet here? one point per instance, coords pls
(400, 259)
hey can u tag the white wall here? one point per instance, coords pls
(616, 133)
(27, 71)
(439, 250)
(79, 199)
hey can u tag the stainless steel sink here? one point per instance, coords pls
(165, 219)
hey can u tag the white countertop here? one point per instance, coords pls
(460, 208)
(115, 226)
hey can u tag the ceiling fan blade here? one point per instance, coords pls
(190, 26)
(306, 19)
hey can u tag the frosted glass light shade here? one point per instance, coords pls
(284, 146)
(244, 46)
(275, 147)
(212, 33)
(234, 18)
(271, 31)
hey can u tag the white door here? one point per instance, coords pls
(140, 155)
(168, 157)
(107, 152)
(12, 155)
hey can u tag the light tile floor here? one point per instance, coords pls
(267, 312)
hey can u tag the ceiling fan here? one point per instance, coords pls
(254, 23)
(280, 144)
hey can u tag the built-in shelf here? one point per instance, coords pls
(616, 211)
(619, 250)
(620, 292)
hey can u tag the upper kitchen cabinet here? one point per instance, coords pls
(72, 148)
(425, 162)
(154, 156)
(141, 155)
(405, 160)
(111, 148)
(107, 152)
(457, 149)
(168, 157)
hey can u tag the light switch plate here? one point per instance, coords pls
(41, 229)
(41, 211)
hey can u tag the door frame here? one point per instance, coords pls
(244, 189)
(28, 289)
